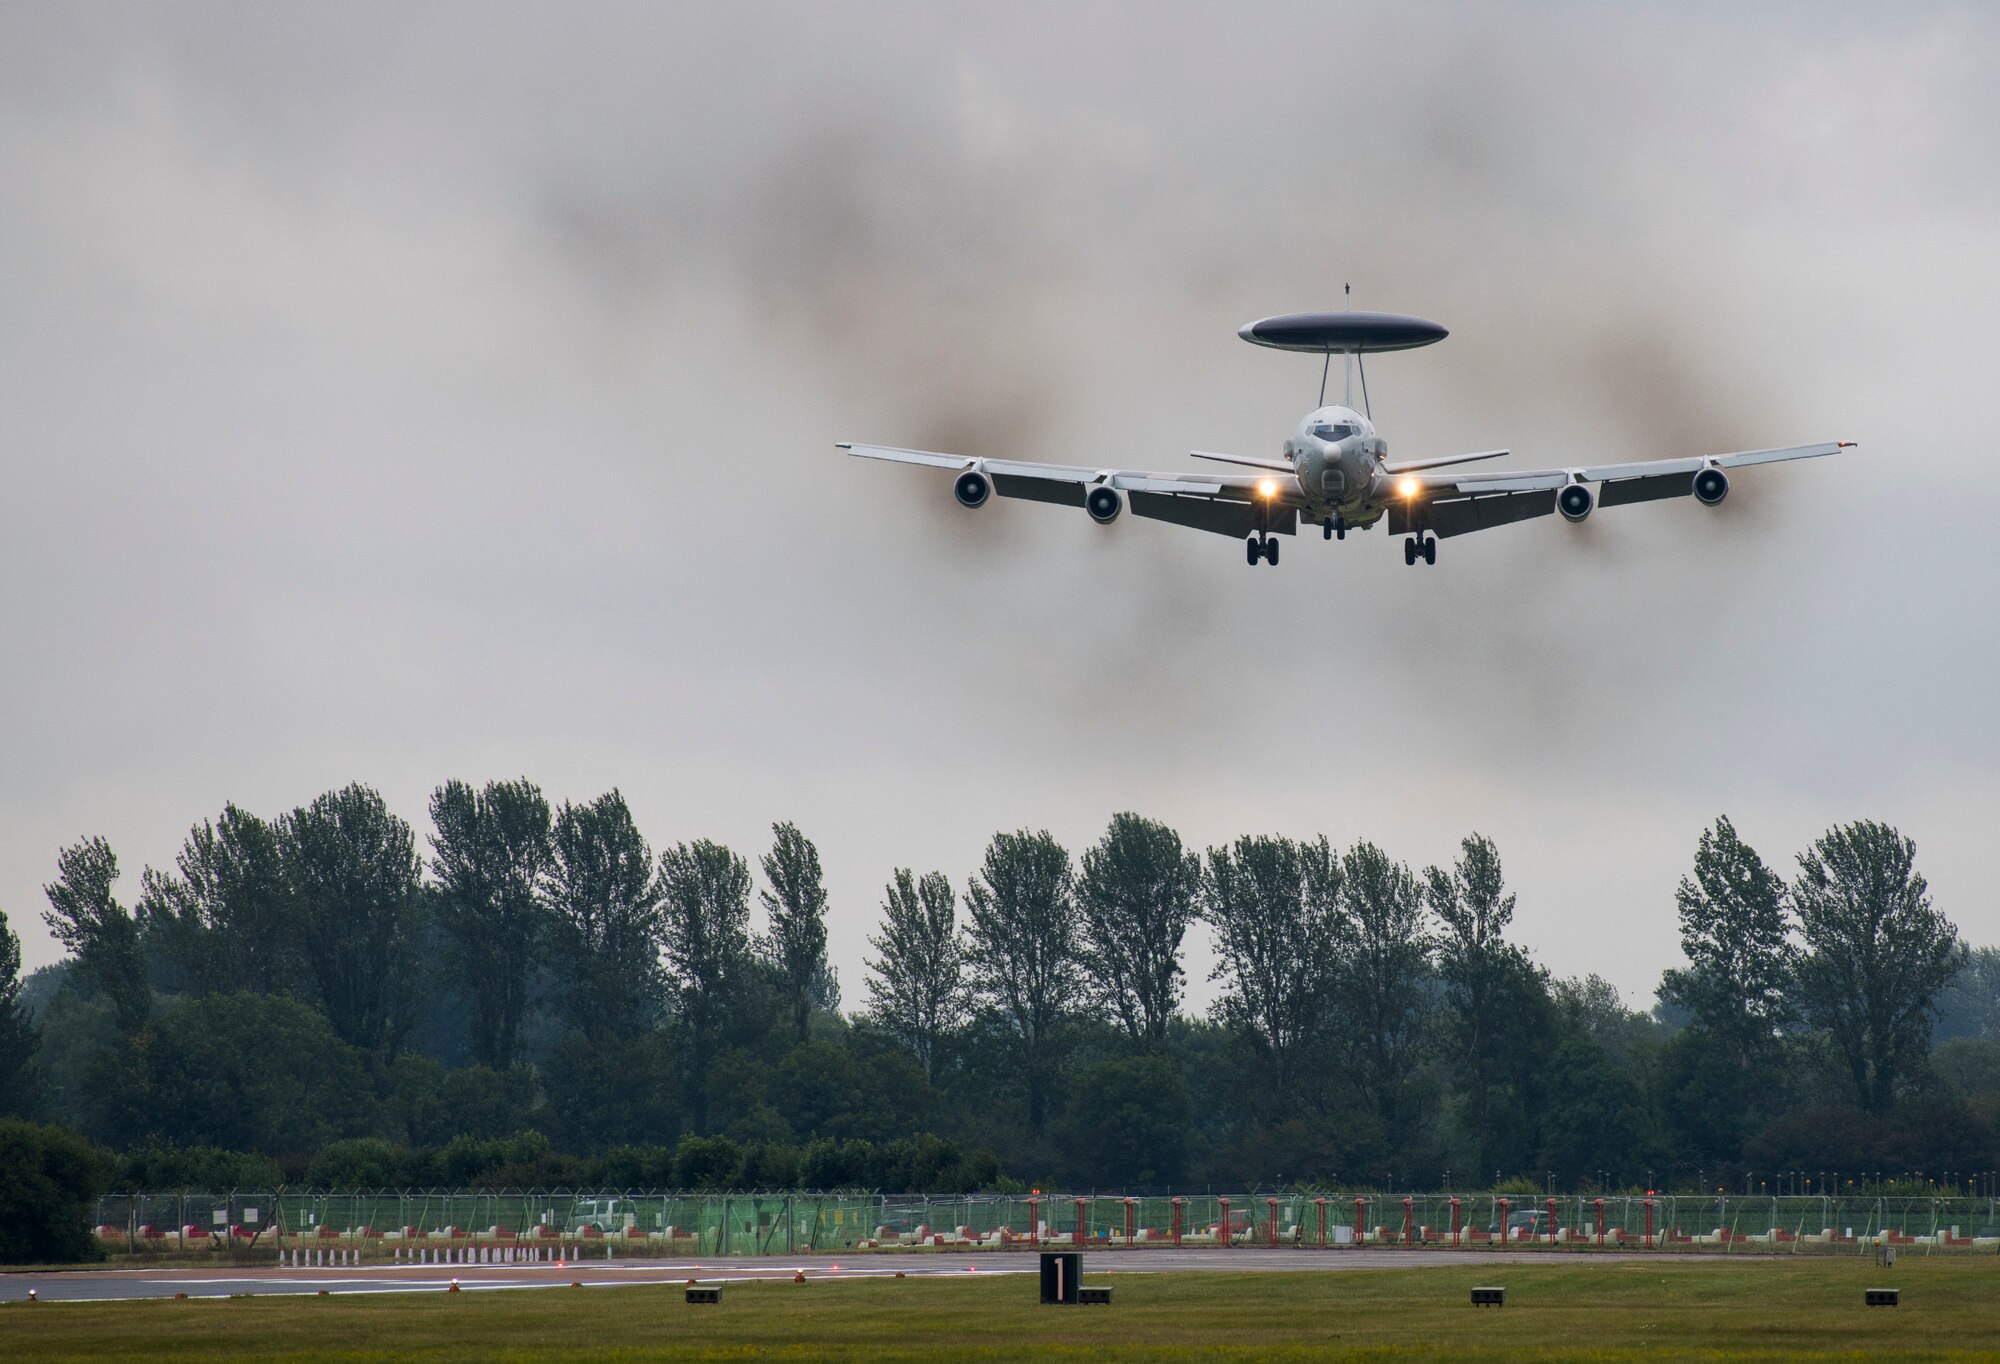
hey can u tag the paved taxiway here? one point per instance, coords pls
(113, 1284)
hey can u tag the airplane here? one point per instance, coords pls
(1335, 471)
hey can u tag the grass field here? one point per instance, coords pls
(1781, 1310)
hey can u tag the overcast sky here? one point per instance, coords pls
(406, 392)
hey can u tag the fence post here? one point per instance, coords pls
(1223, 1225)
(1177, 1223)
(1502, 1205)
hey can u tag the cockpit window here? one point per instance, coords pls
(1333, 430)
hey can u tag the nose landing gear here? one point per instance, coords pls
(1425, 548)
(1335, 528)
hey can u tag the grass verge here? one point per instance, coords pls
(1759, 1311)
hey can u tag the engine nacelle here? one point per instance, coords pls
(972, 488)
(1575, 501)
(1710, 487)
(1104, 503)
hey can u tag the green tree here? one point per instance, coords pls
(74, 1031)
(1969, 1067)
(89, 921)
(196, 1167)
(1970, 1005)
(490, 854)
(705, 932)
(1877, 954)
(358, 1163)
(1593, 1007)
(818, 1089)
(50, 1181)
(1497, 1011)
(1709, 1108)
(1384, 979)
(610, 1090)
(223, 917)
(1530, 1031)
(1128, 1125)
(1138, 891)
(248, 1072)
(1596, 1120)
(1735, 933)
(796, 907)
(1021, 946)
(18, 1090)
(916, 980)
(706, 1162)
(892, 1094)
(606, 903)
(1274, 905)
(354, 881)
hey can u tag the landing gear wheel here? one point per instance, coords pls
(1251, 551)
(1410, 551)
(1340, 531)
(1431, 550)
(1327, 526)
(1270, 551)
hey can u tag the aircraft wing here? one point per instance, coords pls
(1227, 504)
(1457, 503)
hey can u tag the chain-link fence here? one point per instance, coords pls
(414, 1223)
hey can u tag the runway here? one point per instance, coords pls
(102, 1285)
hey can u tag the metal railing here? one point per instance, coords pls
(393, 1221)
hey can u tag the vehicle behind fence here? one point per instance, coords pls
(397, 1223)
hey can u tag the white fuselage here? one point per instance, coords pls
(1337, 458)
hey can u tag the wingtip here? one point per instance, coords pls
(843, 445)
(1845, 444)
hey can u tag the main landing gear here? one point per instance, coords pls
(1425, 548)
(1263, 547)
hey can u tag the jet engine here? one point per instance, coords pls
(972, 488)
(1103, 503)
(1575, 501)
(1711, 486)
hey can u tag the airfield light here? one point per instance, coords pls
(1408, 487)
(1267, 488)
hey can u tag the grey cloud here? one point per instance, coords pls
(398, 395)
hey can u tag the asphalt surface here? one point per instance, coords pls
(101, 1285)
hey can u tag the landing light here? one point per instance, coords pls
(1408, 487)
(1267, 488)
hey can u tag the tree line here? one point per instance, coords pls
(315, 994)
